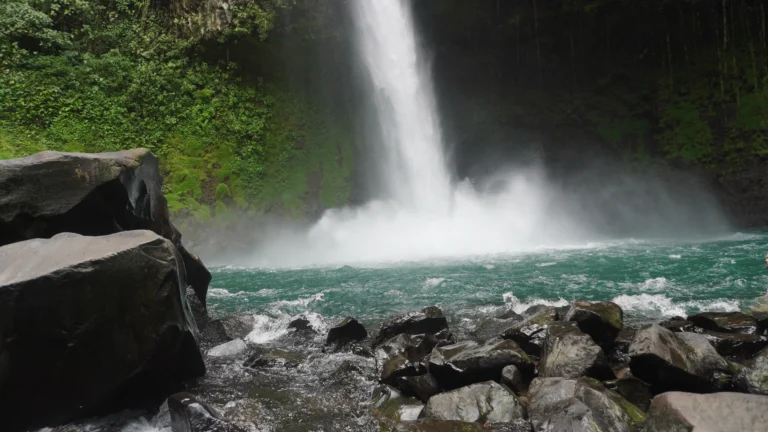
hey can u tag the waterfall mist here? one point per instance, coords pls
(427, 214)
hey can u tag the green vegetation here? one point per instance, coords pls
(107, 75)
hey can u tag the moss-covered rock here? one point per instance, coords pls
(602, 320)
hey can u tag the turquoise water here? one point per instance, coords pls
(649, 279)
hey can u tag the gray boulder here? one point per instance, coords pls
(676, 361)
(92, 324)
(569, 353)
(514, 379)
(191, 415)
(737, 346)
(429, 320)
(583, 404)
(754, 377)
(721, 412)
(482, 402)
(603, 320)
(470, 362)
(90, 194)
(531, 332)
(402, 356)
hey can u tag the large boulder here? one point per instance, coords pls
(402, 356)
(603, 320)
(422, 386)
(191, 415)
(432, 425)
(482, 402)
(569, 353)
(91, 324)
(390, 406)
(737, 346)
(722, 412)
(754, 377)
(583, 404)
(726, 322)
(429, 320)
(470, 362)
(676, 361)
(531, 332)
(90, 194)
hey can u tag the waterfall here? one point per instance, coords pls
(416, 172)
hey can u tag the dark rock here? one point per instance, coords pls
(482, 402)
(569, 353)
(603, 320)
(402, 356)
(445, 337)
(735, 345)
(531, 332)
(391, 407)
(191, 415)
(510, 315)
(469, 362)
(754, 378)
(632, 389)
(678, 324)
(563, 405)
(274, 358)
(238, 326)
(346, 331)
(429, 320)
(300, 325)
(228, 349)
(514, 379)
(90, 325)
(618, 350)
(725, 322)
(489, 328)
(91, 194)
(676, 361)
(431, 425)
(677, 411)
(422, 386)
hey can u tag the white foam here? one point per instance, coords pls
(433, 282)
(655, 284)
(267, 329)
(546, 264)
(675, 257)
(658, 305)
(519, 307)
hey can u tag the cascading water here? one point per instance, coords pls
(417, 175)
(429, 216)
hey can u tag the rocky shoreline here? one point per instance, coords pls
(103, 311)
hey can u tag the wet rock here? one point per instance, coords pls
(531, 332)
(402, 356)
(274, 358)
(676, 361)
(510, 315)
(488, 328)
(422, 386)
(238, 326)
(92, 324)
(191, 415)
(346, 331)
(677, 411)
(391, 407)
(569, 353)
(602, 320)
(347, 368)
(90, 194)
(632, 389)
(429, 320)
(482, 402)
(563, 405)
(678, 324)
(300, 325)
(735, 345)
(230, 349)
(754, 378)
(514, 379)
(431, 425)
(469, 362)
(725, 322)
(618, 350)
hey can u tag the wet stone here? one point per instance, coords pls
(602, 320)
(429, 320)
(391, 407)
(569, 353)
(531, 332)
(738, 346)
(301, 325)
(726, 322)
(230, 349)
(402, 356)
(678, 324)
(482, 402)
(422, 386)
(632, 389)
(677, 411)
(347, 331)
(514, 379)
(191, 415)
